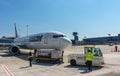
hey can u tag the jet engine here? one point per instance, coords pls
(14, 50)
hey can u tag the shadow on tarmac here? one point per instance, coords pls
(24, 56)
(24, 67)
(21, 56)
(43, 64)
(84, 68)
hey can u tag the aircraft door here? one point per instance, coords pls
(46, 39)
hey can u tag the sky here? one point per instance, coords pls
(90, 18)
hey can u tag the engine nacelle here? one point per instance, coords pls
(14, 50)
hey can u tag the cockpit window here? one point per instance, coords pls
(56, 36)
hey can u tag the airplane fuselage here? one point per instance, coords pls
(49, 40)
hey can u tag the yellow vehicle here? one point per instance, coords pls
(79, 59)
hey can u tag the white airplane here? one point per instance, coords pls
(48, 40)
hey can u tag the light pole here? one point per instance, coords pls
(27, 30)
(19, 31)
(109, 37)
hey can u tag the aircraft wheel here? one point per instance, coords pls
(73, 62)
(37, 60)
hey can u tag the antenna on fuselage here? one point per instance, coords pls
(16, 33)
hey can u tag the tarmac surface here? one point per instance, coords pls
(19, 65)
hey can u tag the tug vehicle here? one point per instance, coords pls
(80, 59)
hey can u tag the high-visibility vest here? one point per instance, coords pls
(30, 56)
(89, 56)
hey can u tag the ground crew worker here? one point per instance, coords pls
(62, 56)
(30, 58)
(116, 48)
(89, 58)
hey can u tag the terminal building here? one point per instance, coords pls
(6, 41)
(102, 40)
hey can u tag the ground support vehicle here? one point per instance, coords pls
(49, 55)
(80, 59)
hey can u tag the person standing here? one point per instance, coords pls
(89, 58)
(116, 48)
(62, 56)
(30, 58)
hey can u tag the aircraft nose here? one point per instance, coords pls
(67, 43)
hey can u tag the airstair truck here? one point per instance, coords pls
(80, 59)
(49, 55)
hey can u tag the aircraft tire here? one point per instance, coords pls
(73, 62)
(37, 60)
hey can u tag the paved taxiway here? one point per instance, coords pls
(19, 65)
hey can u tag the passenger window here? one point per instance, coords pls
(86, 49)
(35, 38)
(95, 52)
(99, 51)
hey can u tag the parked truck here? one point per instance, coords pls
(80, 59)
(49, 55)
